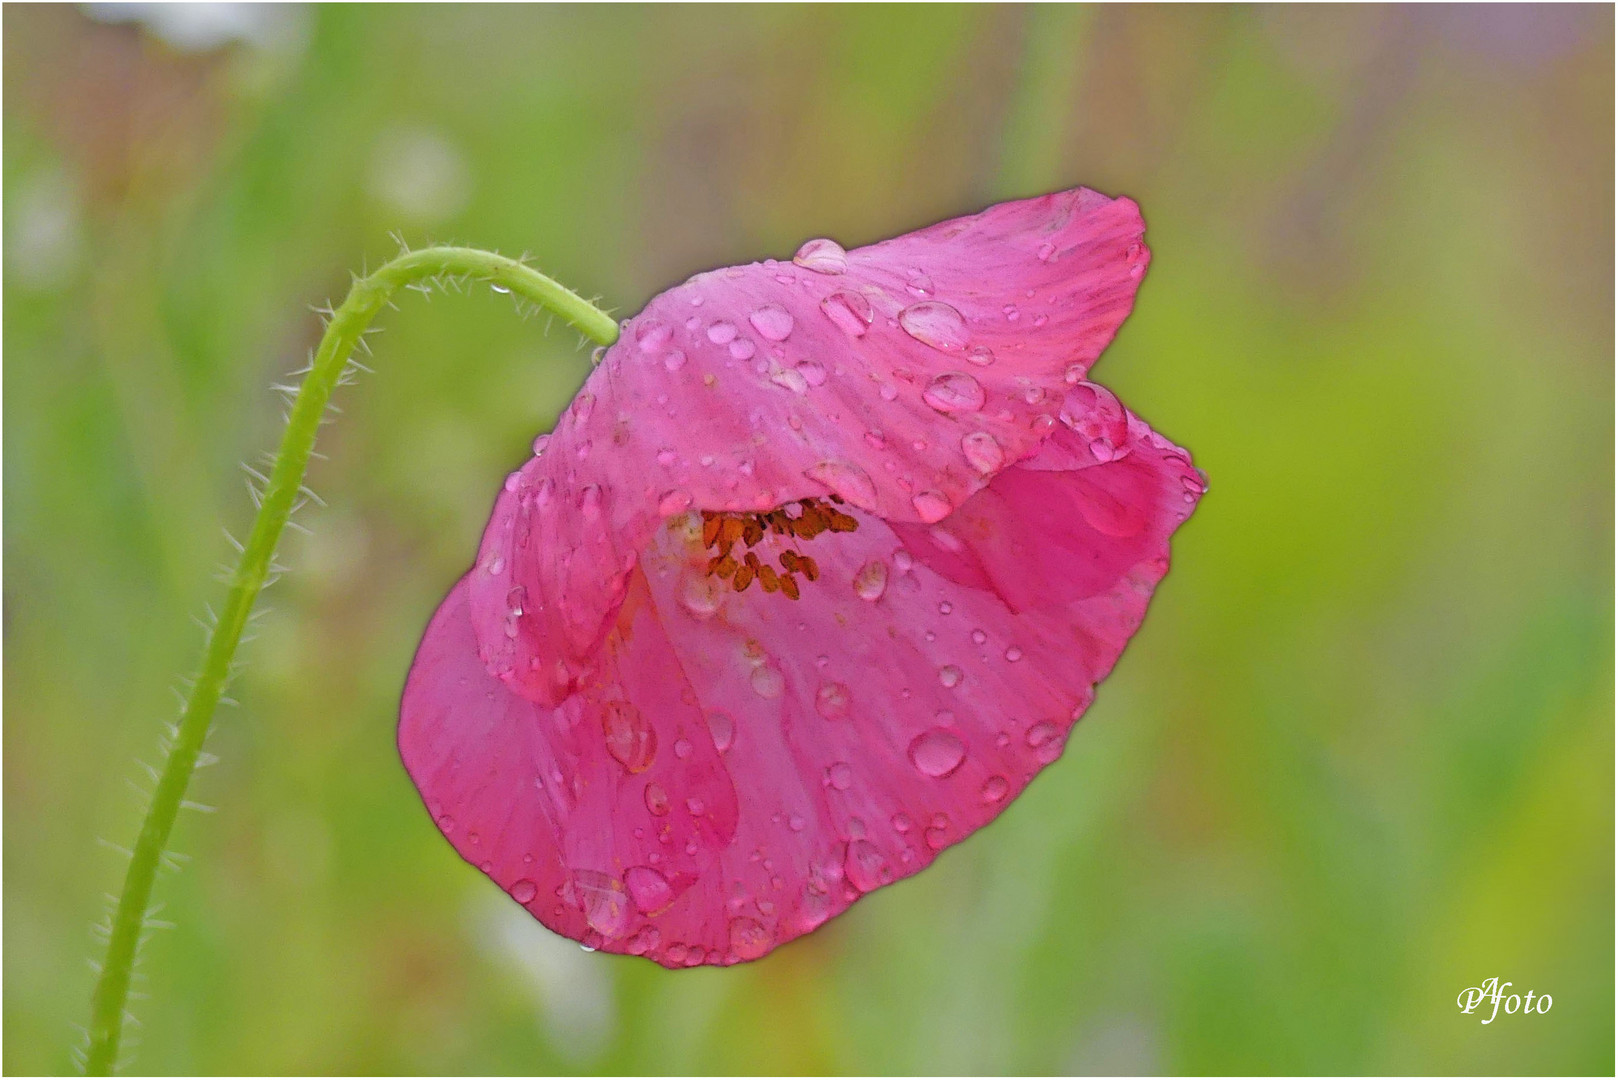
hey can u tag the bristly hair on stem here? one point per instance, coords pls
(277, 496)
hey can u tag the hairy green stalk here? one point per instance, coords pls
(282, 494)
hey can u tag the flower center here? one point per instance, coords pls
(722, 528)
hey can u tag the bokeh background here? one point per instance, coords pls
(1359, 758)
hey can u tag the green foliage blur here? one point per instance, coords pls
(1359, 758)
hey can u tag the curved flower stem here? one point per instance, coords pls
(281, 497)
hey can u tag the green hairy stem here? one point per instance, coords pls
(282, 494)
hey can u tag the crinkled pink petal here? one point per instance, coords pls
(656, 763)
(903, 382)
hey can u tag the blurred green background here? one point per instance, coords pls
(1359, 758)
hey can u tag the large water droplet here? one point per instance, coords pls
(767, 681)
(931, 506)
(722, 333)
(700, 595)
(822, 256)
(748, 939)
(630, 739)
(934, 323)
(954, 392)
(523, 891)
(846, 481)
(982, 452)
(606, 904)
(723, 730)
(1096, 415)
(1045, 740)
(871, 580)
(851, 312)
(656, 799)
(831, 701)
(649, 889)
(937, 753)
(865, 866)
(653, 336)
(773, 322)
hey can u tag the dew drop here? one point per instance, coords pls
(653, 336)
(767, 682)
(748, 939)
(846, 481)
(673, 502)
(822, 256)
(583, 406)
(606, 905)
(523, 891)
(656, 799)
(1013, 654)
(982, 452)
(630, 739)
(849, 311)
(950, 676)
(742, 348)
(901, 823)
(700, 595)
(813, 372)
(979, 637)
(865, 867)
(937, 753)
(723, 730)
(1045, 740)
(934, 323)
(831, 701)
(722, 333)
(773, 322)
(871, 580)
(995, 789)
(675, 360)
(931, 506)
(981, 355)
(790, 379)
(840, 776)
(954, 392)
(682, 750)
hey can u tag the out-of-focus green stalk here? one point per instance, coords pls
(348, 323)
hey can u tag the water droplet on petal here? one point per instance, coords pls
(767, 682)
(742, 348)
(790, 379)
(822, 256)
(583, 406)
(931, 506)
(1013, 654)
(981, 355)
(1095, 414)
(979, 637)
(840, 776)
(813, 372)
(722, 333)
(630, 739)
(831, 701)
(919, 284)
(700, 595)
(656, 799)
(540, 443)
(673, 502)
(1045, 740)
(846, 481)
(949, 675)
(937, 753)
(682, 750)
(748, 939)
(954, 392)
(995, 789)
(982, 452)
(865, 866)
(653, 336)
(649, 889)
(773, 322)
(524, 891)
(851, 312)
(901, 823)
(934, 323)
(723, 730)
(606, 905)
(871, 580)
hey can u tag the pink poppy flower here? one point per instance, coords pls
(811, 579)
